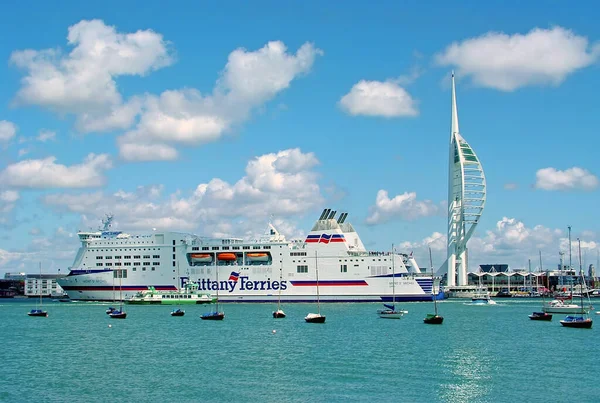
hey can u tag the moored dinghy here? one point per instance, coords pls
(316, 317)
(583, 321)
(177, 312)
(433, 318)
(577, 321)
(390, 311)
(540, 316)
(39, 312)
(279, 314)
(119, 313)
(216, 314)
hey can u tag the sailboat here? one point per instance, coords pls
(433, 319)
(390, 311)
(279, 312)
(118, 313)
(543, 316)
(178, 311)
(39, 311)
(111, 309)
(482, 295)
(316, 317)
(583, 320)
(215, 315)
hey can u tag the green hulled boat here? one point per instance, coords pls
(189, 295)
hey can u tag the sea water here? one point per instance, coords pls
(479, 354)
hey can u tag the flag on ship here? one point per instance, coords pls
(234, 276)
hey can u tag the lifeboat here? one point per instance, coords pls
(201, 257)
(226, 256)
(257, 257)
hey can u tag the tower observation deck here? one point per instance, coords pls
(466, 199)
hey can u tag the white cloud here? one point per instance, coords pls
(8, 202)
(404, 206)
(35, 231)
(511, 186)
(7, 257)
(507, 62)
(83, 81)
(46, 135)
(147, 152)
(376, 98)
(9, 196)
(22, 152)
(250, 79)
(45, 173)
(570, 179)
(283, 184)
(511, 242)
(7, 130)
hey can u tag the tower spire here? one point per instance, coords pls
(454, 109)
(466, 199)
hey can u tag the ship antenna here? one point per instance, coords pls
(107, 222)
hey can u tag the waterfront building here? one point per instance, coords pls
(44, 284)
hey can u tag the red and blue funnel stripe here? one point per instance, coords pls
(325, 238)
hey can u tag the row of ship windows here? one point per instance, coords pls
(227, 247)
(126, 249)
(122, 273)
(304, 268)
(345, 260)
(128, 257)
(129, 264)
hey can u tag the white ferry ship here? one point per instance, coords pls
(249, 271)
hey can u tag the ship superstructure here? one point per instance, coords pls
(249, 270)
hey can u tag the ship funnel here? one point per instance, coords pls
(342, 218)
(332, 214)
(323, 214)
(327, 211)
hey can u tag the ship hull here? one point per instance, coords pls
(98, 287)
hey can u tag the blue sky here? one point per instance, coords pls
(209, 118)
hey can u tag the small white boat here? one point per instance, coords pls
(482, 297)
(558, 306)
(391, 314)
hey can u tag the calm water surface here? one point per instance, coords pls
(480, 354)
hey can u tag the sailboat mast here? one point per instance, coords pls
(432, 283)
(570, 260)
(317, 274)
(218, 285)
(40, 285)
(280, 278)
(581, 275)
(114, 297)
(393, 278)
(120, 290)
(529, 263)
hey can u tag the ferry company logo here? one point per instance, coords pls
(325, 238)
(241, 283)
